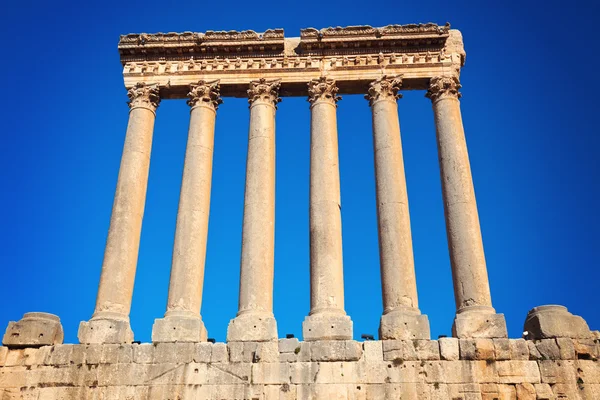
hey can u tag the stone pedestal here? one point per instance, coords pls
(401, 317)
(35, 329)
(182, 321)
(553, 321)
(110, 321)
(327, 318)
(254, 321)
(475, 316)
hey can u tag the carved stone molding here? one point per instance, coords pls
(443, 86)
(384, 88)
(323, 89)
(264, 90)
(205, 92)
(144, 95)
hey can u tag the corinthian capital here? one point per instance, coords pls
(264, 90)
(203, 92)
(323, 89)
(384, 88)
(143, 95)
(443, 86)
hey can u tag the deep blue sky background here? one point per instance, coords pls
(530, 109)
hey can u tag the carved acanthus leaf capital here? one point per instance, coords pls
(143, 95)
(384, 88)
(264, 90)
(443, 86)
(205, 92)
(323, 89)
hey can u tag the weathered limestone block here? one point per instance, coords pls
(586, 349)
(548, 349)
(563, 371)
(219, 353)
(3, 353)
(116, 353)
(502, 349)
(566, 348)
(519, 349)
(554, 321)
(373, 350)
(399, 350)
(427, 349)
(518, 372)
(97, 331)
(327, 327)
(404, 326)
(479, 325)
(35, 329)
(525, 391)
(178, 353)
(477, 349)
(203, 352)
(252, 328)
(335, 350)
(252, 352)
(289, 345)
(449, 348)
(144, 353)
(179, 329)
(543, 391)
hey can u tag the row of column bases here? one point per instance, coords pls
(327, 319)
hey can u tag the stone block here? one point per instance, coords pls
(552, 321)
(267, 352)
(289, 345)
(219, 353)
(288, 357)
(229, 373)
(327, 327)
(525, 391)
(404, 326)
(3, 353)
(93, 353)
(373, 350)
(179, 329)
(303, 372)
(252, 328)
(502, 349)
(178, 353)
(548, 349)
(143, 353)
(561, 371)
(543, 391)
(475, 324)
(534, 353)
(104, 330)
(585, 349)
(35, 329)
(399, 350)
(519, 349)
(335, 350)
(468, 349)
(566, 348)
(588, 371)
(15, 357)
(427, 349)
(60, 354)
(202, 352)
(116, 353)
(271, 373)
(35, 356)
(449, 349)
(518, 372)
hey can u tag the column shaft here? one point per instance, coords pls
(401, 317)
(110, 322)
(182, 320)
(255, 321)
(327, 318)
(475, 314)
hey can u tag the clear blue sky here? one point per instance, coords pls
(530, 109)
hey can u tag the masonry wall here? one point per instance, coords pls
(447, 368)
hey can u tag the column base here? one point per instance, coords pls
(479, 322)
(179, 329)
(105, 330)
(35, 329)
(252, 327)
(553, 321)
(404, 325)
(327, 327)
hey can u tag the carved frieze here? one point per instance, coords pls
(264, 90)
(384, 88)
(205, 92)
(443, 86)
(323, 89)
(143, 95)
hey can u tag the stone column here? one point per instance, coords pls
(110, 322)
(182, 321)
(475, 316)
(401, 319)
(255, 321)
(327, 319)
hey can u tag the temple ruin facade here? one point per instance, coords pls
(557, 357)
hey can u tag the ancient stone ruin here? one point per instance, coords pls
(556, 359)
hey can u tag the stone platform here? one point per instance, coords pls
(448, 368)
